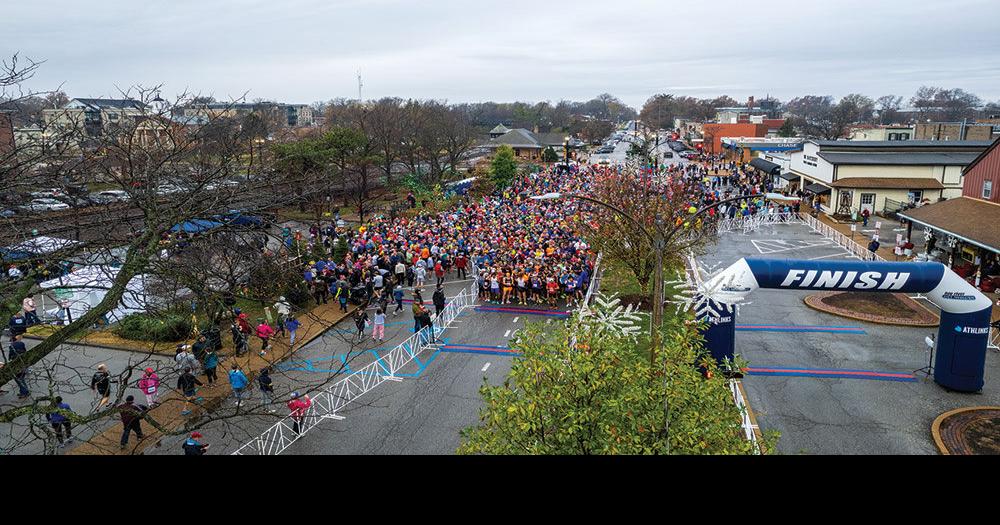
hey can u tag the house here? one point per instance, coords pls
(529, 145)
(93, 116)
(6, 133)
(499, 131)
(282, 115)
(966, 229)
(848, 176)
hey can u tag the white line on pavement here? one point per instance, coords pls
(507, 333)
(827, 256)
(487, 365)
(515, 320)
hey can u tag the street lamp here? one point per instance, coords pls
(566, 147)
(660, 239)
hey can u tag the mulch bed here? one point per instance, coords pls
(973, 431)
(882, 308)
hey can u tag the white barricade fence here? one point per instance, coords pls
(754, 222)
(749, 429)
(595, 282)
(333, 398)
(845, 242)
(994, 341)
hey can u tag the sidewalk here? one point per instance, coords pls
(168, 413)
(887, 237)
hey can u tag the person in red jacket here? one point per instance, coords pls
(298, 407)
(264, 332)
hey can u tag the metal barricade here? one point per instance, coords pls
(333, 398)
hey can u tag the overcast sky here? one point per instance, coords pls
(472, 50)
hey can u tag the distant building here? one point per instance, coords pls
(745, 148)
(714, 133)
(882, 133)
(847, 176)
(499, 131)
(953, 131)
(6, 133)
(290, 115)
(93, 116)
(528, 145)
(965, 229)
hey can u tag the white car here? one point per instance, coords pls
(168, 189)
(112, 196)
(46, 205)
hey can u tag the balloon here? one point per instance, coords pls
(692, 210)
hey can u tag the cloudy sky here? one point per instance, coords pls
(473, 50)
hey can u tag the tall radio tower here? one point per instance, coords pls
(360, 83)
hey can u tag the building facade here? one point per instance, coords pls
(845, 177)
(714, 133)
(882, 133)
(953, 131)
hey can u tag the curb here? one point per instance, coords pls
(847, 314)
(936, 426)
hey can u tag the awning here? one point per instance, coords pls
(196, 226)
(970, 220)
(765, 166)
(789, 176)
(817, 188)
(893, 183)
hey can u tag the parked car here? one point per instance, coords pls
(109, 196)
(7, 213)
(45, 205)
(46, 194)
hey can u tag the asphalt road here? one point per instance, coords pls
(822, 415)
(421, 414)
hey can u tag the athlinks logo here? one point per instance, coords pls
(972, 331)
(845, 280)
(958, 296)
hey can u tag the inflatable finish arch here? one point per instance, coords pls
(965, 312)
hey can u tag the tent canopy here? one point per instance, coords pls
(196, 226)
(40, 245)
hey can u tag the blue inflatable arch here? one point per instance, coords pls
(965, 312)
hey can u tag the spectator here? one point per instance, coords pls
(864, 217)
(264, 332)
(187, 383)
(18, 325)
(438, 300)
(283, 309)
(14, 353)
(185, 359)
(378, 332)
(266, 388)
(873, 246)
(199, 348)
(292, 324)
(150, 386)
(28, 305)
(131, 415)
(397, 295)
(237, 380)
(59, 421)
(239, 339)
(361, 321)
(192, 447)
(211, 362)
(100, 383)
(298, 407)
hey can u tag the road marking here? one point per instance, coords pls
(507, 333)
(826, 256)
(485, 367)
(515, 320)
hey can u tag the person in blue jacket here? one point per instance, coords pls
(292, 324)
(238, 380)
(60, 422)
(192, 447)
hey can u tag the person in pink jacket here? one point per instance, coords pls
(150, 386)
(264, 332)
(298, 406)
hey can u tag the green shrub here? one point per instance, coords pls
(158, 327)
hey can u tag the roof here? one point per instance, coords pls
(517, 138)
(972, 220)
(765, 166)
(789, 176)
(900, 183)
(902, 144)
(118, 103)
(499, 129)
(816, 188)
(982, 155)
(900, 158)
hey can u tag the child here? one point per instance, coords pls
(292, 324)
(378, 333)
(150, 386)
